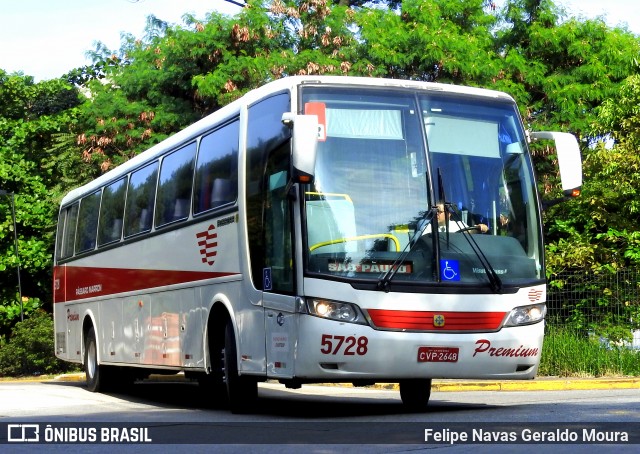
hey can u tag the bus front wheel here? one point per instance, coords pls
(242, 391)
(415, 393)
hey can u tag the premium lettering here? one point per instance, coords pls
(484, 346)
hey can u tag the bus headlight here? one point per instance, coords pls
(335, 310)
(526, 315)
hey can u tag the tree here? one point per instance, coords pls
(30, 114)
(563, 70)
(431, 40)
(281, 38)
(608, 211)
(30, 350)
(178, 74)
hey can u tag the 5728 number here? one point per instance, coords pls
(348, 346)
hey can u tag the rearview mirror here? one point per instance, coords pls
(569, 160)
(304, 145)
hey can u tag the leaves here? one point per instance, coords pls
(30, 351)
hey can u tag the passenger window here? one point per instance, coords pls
(112, 212)
(216, 169)
(174, 187)
(88, 223)
(67, 231)
(140, 200)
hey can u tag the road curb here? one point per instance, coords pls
(543, 384)
(540, 384)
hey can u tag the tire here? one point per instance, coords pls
(213, 383)
(415, 393)
(242, 391)
(103, 378)
(91, 367)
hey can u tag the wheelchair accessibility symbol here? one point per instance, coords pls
(267, 283)
(449, 270)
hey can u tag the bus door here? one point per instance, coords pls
(270, 227)
(278, 278)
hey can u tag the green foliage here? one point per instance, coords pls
(619, 116)
(30, 350)
(568, 354)
(433, 40)
(30, 115)
(599, 229)
(563, 70)
(11, 313)
(270, 40)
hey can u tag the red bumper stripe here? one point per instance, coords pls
(436, 321)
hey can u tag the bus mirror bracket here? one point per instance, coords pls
(304, 146)
(569, 163)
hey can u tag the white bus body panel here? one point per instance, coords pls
(281, 324)
(150, 301)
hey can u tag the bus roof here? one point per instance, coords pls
(288, 83)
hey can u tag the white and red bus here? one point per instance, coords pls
(319, 229)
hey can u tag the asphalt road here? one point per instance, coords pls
(326, 419)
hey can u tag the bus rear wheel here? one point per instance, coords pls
(103, 378)
(242, 391)
(415, 393)
(91, 367)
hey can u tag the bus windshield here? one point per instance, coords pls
(438, 187)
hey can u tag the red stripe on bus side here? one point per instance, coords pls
(424, 320)
(86, 282)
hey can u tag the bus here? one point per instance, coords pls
(316, 230)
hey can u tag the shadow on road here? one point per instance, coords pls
(276, 401)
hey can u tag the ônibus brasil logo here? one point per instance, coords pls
(208, 242)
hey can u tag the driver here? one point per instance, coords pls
(445, 221)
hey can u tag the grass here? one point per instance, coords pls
(568, 354)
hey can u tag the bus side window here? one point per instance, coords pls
(140, 200)
(216, 182)
(174, 187)
(111, 212)
(66, 231)
(88, 222)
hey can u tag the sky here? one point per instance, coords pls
(48, 38)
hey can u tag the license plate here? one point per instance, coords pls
(438, 354)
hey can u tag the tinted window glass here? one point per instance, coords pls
(266, 137)
(67, 231)
(112, 212)
(216, 170)
(140, 198)
(88, 222)
(174, 187)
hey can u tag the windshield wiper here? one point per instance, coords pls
(494, 280)
(423, 222)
